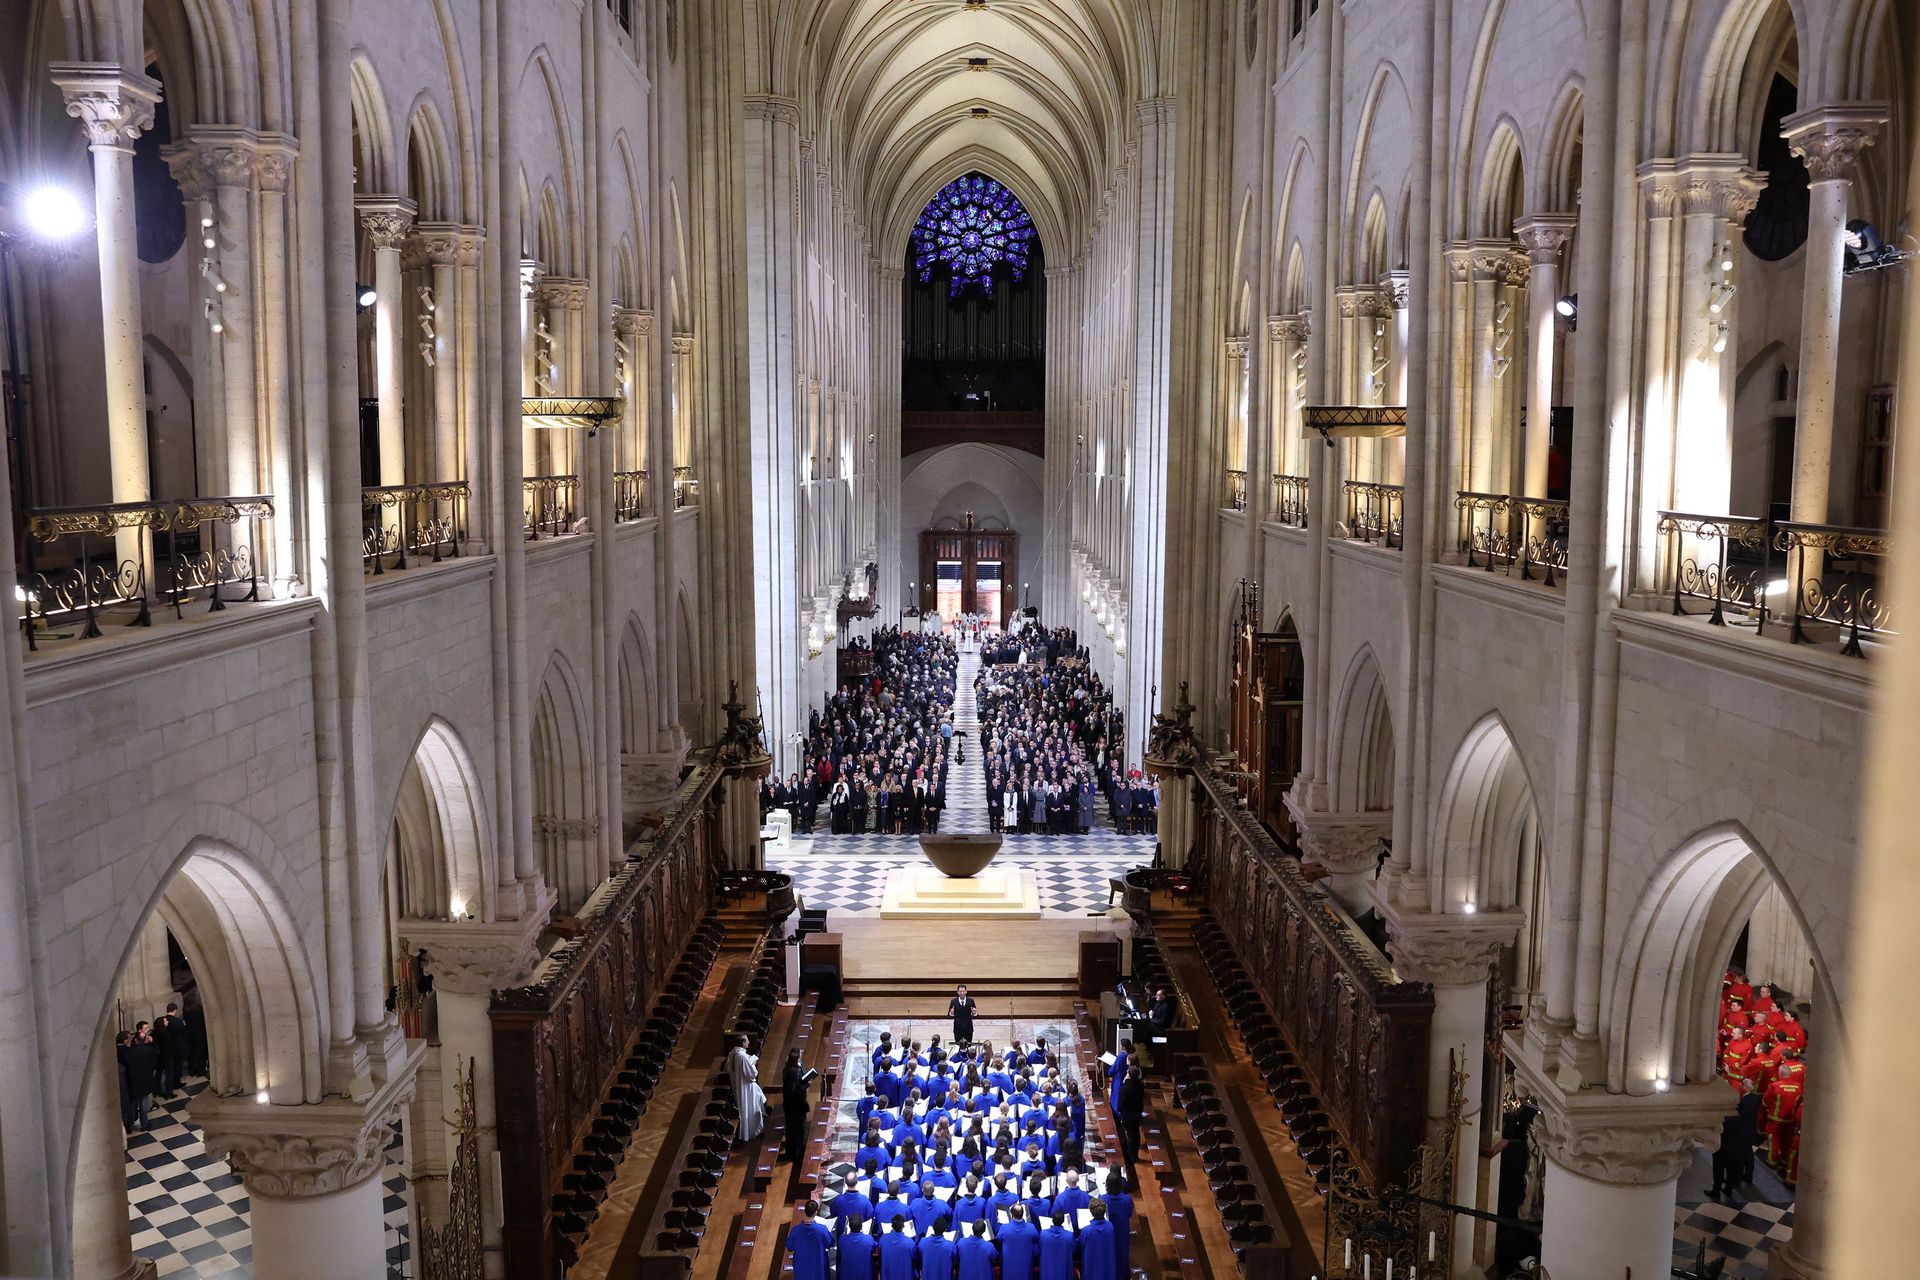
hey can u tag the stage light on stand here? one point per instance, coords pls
(54, 214)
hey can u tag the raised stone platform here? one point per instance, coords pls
(921, 892)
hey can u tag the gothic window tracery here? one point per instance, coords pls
(971, 227)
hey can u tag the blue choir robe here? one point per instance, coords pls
(968, 1210)
(1071, 1200)
(981, 1102)
(1120, 1214)
(856, 1255)
(867, 1103)
(939, 1177)
(881, 1051)
(887, 1210)
(1038, 1207)
(964, 1164)
(926, 1213)
(1097, 1255)
(1000, 1201)
(887, 1085)
(1019, 1248)
(808, 1242)
(976, 1258)
(896, 1256)
(1077, 1108)
(847, 1204)
(1056, 1253)
(1000, 1080)
(1037, 1057)
(937, 1257)
(1114, 1078)
(933, 1117)
(1036, 1163)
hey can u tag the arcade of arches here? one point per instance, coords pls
(1439, 455)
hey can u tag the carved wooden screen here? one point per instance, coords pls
(559, 1041)
(1360, 1035)
(1283, 691)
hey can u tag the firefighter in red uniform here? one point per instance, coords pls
(1733, 1058)
(1781, 1115)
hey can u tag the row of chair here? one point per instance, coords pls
(684, 1223)
(1286, 1081)
(584, 1188)
(1228, 1176)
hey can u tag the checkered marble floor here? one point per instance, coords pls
(190, 1211)
(1743, 1232)
(853, 885)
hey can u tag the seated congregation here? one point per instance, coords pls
(1052, 741)
(877, 755)
(970, 1160)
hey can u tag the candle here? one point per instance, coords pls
(1349, 1262)
(1366, 1266)
(1430, 1239)
(1389, 1269)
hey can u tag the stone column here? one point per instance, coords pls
(1612, 1163)
(1456, 954)
(1829, 140)
(469, 962)
(1294, 333)
(102, 1231)
(1542, 235)
(780, 174)
(1489, 262)
(387, 220)
(275, 156)
(313, 1176)
(231, 156)
(1346, 845)
(1717, 193)
(1150, 440)
(439, 247)
(1396, 288)
(187, 164)
(629, 328)
(115, 107)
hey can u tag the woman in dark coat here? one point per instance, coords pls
(1086, 807)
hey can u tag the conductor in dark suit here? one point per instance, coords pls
(962, 1008)
(1133, 1105)
(794, 1107)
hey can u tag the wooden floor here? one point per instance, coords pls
(1178, 1231)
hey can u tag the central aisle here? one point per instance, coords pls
(966, 781)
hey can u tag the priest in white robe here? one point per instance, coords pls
(743, 1073)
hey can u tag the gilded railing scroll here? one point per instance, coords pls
(1718, 559)
(85, 565)
(426, 521)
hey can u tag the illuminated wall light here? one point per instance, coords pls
(1720, 337)
(261, 1097)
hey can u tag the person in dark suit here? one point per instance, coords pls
(794, 1107)
(170, 1037)
(1162, 1012)
(961, 1009)
(142, 1060)
(127, 1116)
(1133, 1106)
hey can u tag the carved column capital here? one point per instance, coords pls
(632, 322)
(1543, 235)
(1294, 328)
(188, 167)
(773, 106)
(113, 106)
(560, 293)
(230, 153)
(444, 244)
(467, 957)
(274, 155)
(387, 219)
(1343, 843)
(1830, 139)
(683, 344)
(1619, 1138)
(1237, 348)
(1395, 287)
(292, 1152)
(1449, 950)
(1723, 187)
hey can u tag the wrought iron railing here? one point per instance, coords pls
(1822, 580)
(86, 565)
(426, 521)
(550, 505)
(1721, 560)
(1524, 537)
(1373, 512)
(1289, 501)
(1236, 497)
(686, 488)
(629, 496)
(1833, 574)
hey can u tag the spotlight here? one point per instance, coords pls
(1726, 255)
(53, 213)
(1866, 251)
(1720, 337)
(1722, 294)
(1568, 305)
(367, 296)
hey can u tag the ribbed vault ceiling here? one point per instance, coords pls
(893, 98)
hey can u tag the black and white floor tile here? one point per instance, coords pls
(853, 885)
(190, 1210)
(1742, 1230)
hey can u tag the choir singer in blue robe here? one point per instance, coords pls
(896, 1253)
(1056, 1252)
(808, 1242)
(1097, 1257)
(1019, 1245)
(976, 1254)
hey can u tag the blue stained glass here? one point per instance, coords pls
(972, 226)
